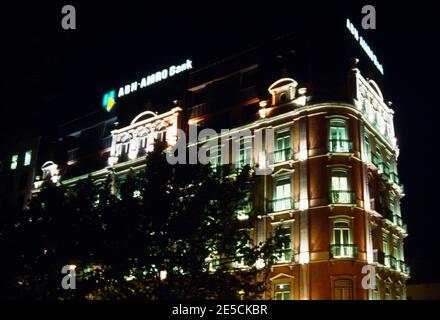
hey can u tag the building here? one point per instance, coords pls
(18, 168)
(334, 186)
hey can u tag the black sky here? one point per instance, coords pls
(49, 75)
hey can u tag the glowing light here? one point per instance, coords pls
(72, 267)
(14, 162)
(163, 275)
(27, 158)
(260, 264)
(112, 161)
(108, 101)
(263, 113)
(364, 45)
(304, 258)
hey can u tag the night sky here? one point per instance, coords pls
(50, 75)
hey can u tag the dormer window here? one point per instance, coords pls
(283, 91)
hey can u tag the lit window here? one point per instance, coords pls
(285, 253)
(215, 156)
(342, 244)
(28, 157)
(282, 291)
(338, 140)
(282, 198)
(14, 162)
(340, 191)
(245, 152)
(282, 146)
(343, 289)
(367, 149)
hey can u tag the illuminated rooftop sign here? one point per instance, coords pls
(109, 99)
(364, 45)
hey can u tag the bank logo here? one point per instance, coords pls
(108, 101)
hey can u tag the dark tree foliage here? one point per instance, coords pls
(181, 221)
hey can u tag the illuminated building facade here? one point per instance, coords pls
(334, 187)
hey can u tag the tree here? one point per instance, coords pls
(168, 232)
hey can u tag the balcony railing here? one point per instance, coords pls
(281, 204)
(391, 262)
(385, 212)
(378, 256)
(377, 161)
(340, 146)
(282, 155)
(284, 256)
(403, 267)
(343, 251)
(341, 197)
(387, 170)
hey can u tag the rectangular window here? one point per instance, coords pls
(386, 249)
(28, 158)
(342, 245)
(282, 291)
(338, 139)
(367, 149)
(14, 161)
(282, 146)
(282, 199)
(286, 251)
(245, 152)
(215, 156)
(343, 290)
(340, 189)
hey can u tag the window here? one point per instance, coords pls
(282, 199)
(376, 290)
(282, 291)
(27, 157)
(398, 292)
(338, 140)
(387, 291)
(239, 262)
(286, 251)
(215, 156)
(245, 152)
(386, 249)
(282, 146)
(367, 149)
(343, 289)
(396, 249)
(342, 244)
(14, 161)
(340, 191)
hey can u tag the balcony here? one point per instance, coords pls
(340, 146)
(278, 205)
(387, 170)
(341, 251)
(398, 221)
(284, 256)
(403, 267)
(378, 256)
(377, 161)
(342, 197)
(391, 262)
(282, 155)
(385, 212)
